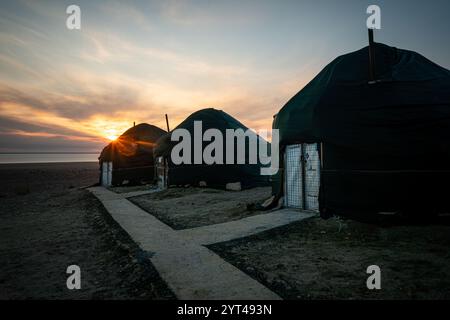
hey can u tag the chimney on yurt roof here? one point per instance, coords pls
(371, 58)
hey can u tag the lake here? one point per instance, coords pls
(47, 157)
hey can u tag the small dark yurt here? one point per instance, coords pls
(211, 175)
(129, 159)
(368, 137)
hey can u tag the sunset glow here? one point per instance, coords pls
(110, 129)
(71, 90)
(112, 137)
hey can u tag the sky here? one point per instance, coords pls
(67, 90)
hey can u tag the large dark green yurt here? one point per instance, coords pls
(129, 159)
(216, 175)
(356, 145)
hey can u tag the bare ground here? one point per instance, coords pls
(183, 208)
(47, 224)
(327, 259)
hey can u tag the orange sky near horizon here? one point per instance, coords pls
(91, 85)
(75, 90)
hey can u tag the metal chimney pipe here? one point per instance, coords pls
(167, 123)
(371, 57)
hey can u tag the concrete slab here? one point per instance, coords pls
(194, 272)
(138, 193)
(190, 270)
(244, 227)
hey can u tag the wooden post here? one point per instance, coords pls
(303, 169)
(321, 156)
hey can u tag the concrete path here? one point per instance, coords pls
(191, 270)
(244, 227)
(138, 193)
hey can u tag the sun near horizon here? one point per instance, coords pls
(75, 90)
(111, 136)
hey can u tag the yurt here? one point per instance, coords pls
(229, 176)
(368, 136)
(129, 160)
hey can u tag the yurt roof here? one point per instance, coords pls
(408, 105)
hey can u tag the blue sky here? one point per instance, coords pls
(69, 90)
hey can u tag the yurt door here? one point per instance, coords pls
(110, 169)
(104, 174)
(312, 176)
(161, 172)
(293, 176)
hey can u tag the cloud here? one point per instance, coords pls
(92, 104)
(13, 143)
(108, 48)
(16, 66)
(118, 11)
(78, 87)
(201, 13)
(43, 134)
